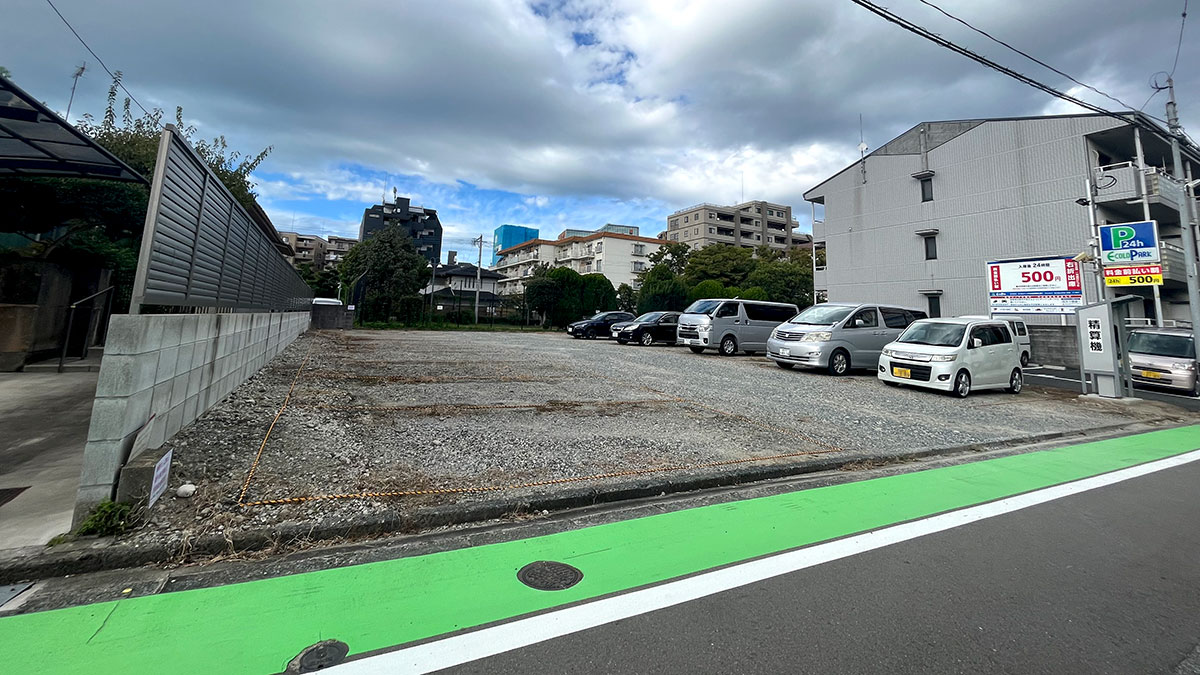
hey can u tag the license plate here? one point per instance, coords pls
(901, 372)
(785, 352)
(1150, 374)
(616, 333)
(693, 342)
(570, 330)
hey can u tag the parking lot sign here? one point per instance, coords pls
(1133, 275)
(1129, 243)
(1035, 286)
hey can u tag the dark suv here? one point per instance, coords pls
(600, 324)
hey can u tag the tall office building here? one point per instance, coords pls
(422, 225)
(507, 236)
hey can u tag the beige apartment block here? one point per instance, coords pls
(337, 249)
(749, 225)
(619, 257)
(309, 248)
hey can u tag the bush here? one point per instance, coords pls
(108, 518)
(754, 293)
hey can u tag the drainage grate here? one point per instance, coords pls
(8, 494)
(547, 575)
(324, 654)
(9, 592)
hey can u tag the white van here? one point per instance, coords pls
(731, 325)
(1020, 333)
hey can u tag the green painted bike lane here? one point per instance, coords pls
(258, 626)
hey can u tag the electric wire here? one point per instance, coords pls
(97, 56)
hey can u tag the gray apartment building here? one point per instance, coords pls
(749, 225)
(916, 222)
(420, 223)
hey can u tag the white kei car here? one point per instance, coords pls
(954, 355)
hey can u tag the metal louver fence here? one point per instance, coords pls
(200, 248)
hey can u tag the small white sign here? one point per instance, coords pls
(162, 471)
(350, 307)
(1095, 336)
(439, 308)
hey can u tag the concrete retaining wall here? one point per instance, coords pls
(174, 367)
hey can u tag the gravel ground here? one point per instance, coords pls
(381, 411)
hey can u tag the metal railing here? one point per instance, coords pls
(62, 356)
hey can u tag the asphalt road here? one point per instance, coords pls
(1101, 582)
(1069, 379)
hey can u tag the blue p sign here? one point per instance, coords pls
(1123, 236)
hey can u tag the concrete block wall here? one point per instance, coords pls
(174, 367)
(1055, 345)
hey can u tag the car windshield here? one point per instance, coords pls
(934, 333)
(702, 307)
(1158, 344)
(597, 317)
(822, 315)
(649, 317)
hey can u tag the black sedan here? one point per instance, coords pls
(600, 324)
(648, 328)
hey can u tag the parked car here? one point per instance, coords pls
(1164, 357)
(1020, 333)
(838, 336)
(731, 325)
(600, 324)
(647, 329)
(955, 355)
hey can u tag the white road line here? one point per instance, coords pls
(505, 637)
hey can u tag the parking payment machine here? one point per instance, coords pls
(1103, 335)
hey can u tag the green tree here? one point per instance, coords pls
(391, 269)
(786, 280)
(729, 265)
(672, 254)
(754, 293)
(323, 283)
(626, 298)
(543, 295)
(5, 72)
(570, 307)
(708, 288)
(596, 294)
(661, 290)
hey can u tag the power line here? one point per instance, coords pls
(1036, 60)
(1179, 46)
(97, 56)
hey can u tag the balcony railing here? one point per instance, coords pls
(1121, 183)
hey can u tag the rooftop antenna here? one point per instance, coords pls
(862, 149)
(78, 74)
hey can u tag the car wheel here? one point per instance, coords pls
(962, 384)
(785, 366)
(590, 334)
(647, 339)
(1196, 388)
(1015, 382)
(1024, 359)
(728, 346)
(622, 342)
(697, 350)
(839, 362)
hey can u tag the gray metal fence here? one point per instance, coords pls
(200, 248)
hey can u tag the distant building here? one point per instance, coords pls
(749, 225)
(309, 249)
(454, 284)
(337, 248)
(507, 236)
(617, 255)
(420, 223)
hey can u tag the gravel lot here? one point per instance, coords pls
(381, 411)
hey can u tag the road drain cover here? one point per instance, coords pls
(324, 654)
(547, 575)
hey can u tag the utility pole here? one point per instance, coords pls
(478, 274)
(1185, 213)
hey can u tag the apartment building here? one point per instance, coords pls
(337, 248)
(750, 225)
(618, 256)
(916, 222)
(308, 249)
(507, 236)
(420, 223)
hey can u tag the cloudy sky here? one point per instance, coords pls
(576, 113)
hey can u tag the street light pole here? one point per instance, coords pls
(478, 274)
(1185, 214)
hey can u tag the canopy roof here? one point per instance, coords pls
(34, 141)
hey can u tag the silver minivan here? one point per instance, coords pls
(838, 336)
(730, 325)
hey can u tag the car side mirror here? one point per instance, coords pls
(976, 343)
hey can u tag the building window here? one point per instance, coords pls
(926, 189)
(930, 247)
(639, 249)
(685, 219)
(935, 306)
(758, 223)
(696, 231)
(712, 230)
(757, 210)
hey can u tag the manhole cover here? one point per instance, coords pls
(324, 654)
(547, 575)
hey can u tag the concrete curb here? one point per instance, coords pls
(108, 553)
